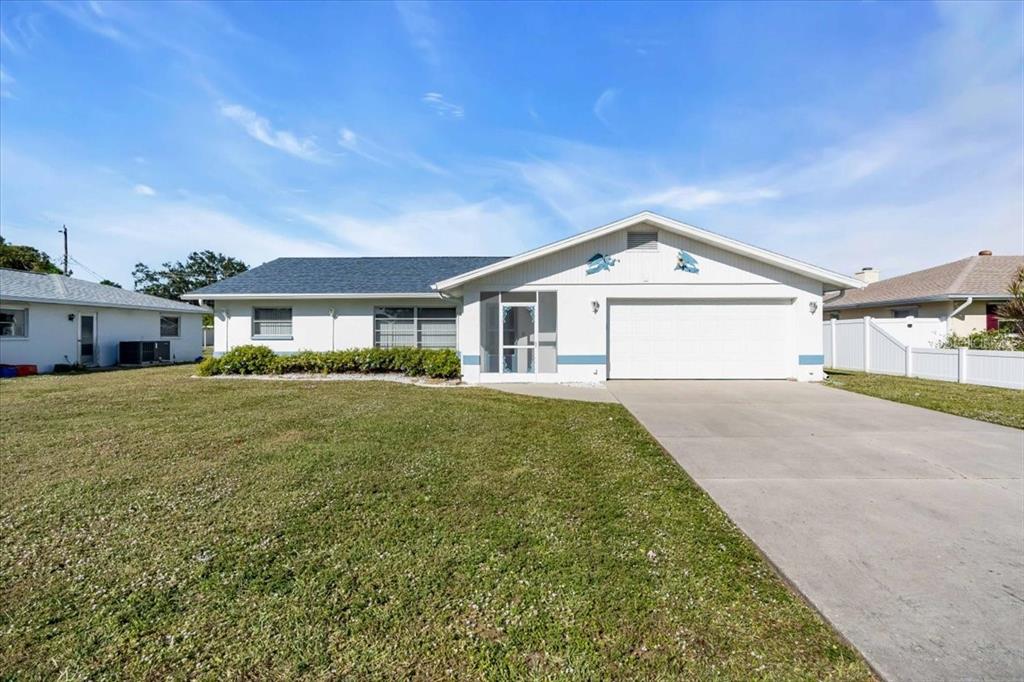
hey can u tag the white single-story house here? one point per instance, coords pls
(46, 320)
(645, 297)
(965, 294)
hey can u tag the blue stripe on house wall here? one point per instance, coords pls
(812, 359)
(582, 360)
(471, 359)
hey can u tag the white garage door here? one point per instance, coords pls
(725, 339)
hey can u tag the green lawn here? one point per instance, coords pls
(155, 525)
(997, 405)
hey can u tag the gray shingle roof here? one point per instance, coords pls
(16, 285)
(987, 276)
(393, 275)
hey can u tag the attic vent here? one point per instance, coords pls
(642, 241)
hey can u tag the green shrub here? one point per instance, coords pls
(248, 360)
(437, 364)
(991, 339)
(304, 362)
(441, 363)
(208, 367)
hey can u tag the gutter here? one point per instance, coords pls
(833, 304)
(213, 296)
(191, 310)
(961, 307)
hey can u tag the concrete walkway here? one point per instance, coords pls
(903, 526)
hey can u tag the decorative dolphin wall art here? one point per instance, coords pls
(686, 263)
(599, 262)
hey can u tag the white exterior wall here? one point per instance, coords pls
(53, 338)
(583, 334)
(312, 326)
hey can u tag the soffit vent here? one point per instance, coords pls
(642, 241)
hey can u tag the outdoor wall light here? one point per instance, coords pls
(595, 306)
(814, 307)
(71, 317)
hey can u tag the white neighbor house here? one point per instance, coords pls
(53, 319)
(645, 297)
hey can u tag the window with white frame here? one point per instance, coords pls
(409, 327)
(170, 326)
(14, 322)
(272, 323)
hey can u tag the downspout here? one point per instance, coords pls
(959, 309)
(330, 314)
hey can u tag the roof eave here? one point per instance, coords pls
(192, 309)
(806, 269)
(912, 301)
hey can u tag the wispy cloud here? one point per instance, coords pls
(441, 225)
(260, 128)
(6, 80)
(350, 141)
(112, 230)
(689, 197)
(366, 148)
(444, 108)
(144, 190)
(423, 29)
(93, 17)
(604, 103)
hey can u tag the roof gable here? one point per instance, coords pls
(661, 222)
(18, 285)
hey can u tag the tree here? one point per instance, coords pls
(111, 283)
(26, 258)
(1013, 310)
(172, 280)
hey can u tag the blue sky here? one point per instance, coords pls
(846, 135)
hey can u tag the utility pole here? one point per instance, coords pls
(64, 230)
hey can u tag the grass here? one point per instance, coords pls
(155, 525)
(986, 403)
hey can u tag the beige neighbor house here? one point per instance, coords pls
(964, 293)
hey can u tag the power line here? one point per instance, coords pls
(86, 268)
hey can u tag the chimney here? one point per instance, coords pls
(868, 275)
(986, 252)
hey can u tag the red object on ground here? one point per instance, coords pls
(26, 370)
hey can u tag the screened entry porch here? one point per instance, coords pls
(518, 333)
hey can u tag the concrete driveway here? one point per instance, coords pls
(903, 526)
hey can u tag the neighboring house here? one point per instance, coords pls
(53, 319)
(643, 297)
(965, 293)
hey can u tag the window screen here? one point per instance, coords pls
(489, 335)
(170, 325)
(436, 327)
(547, 332)
(13, 322)
(272, 322)
(414, 327)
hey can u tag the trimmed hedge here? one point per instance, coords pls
(436, 363)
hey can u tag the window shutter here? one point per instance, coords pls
(642, 241)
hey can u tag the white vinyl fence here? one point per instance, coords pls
(865, 345)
